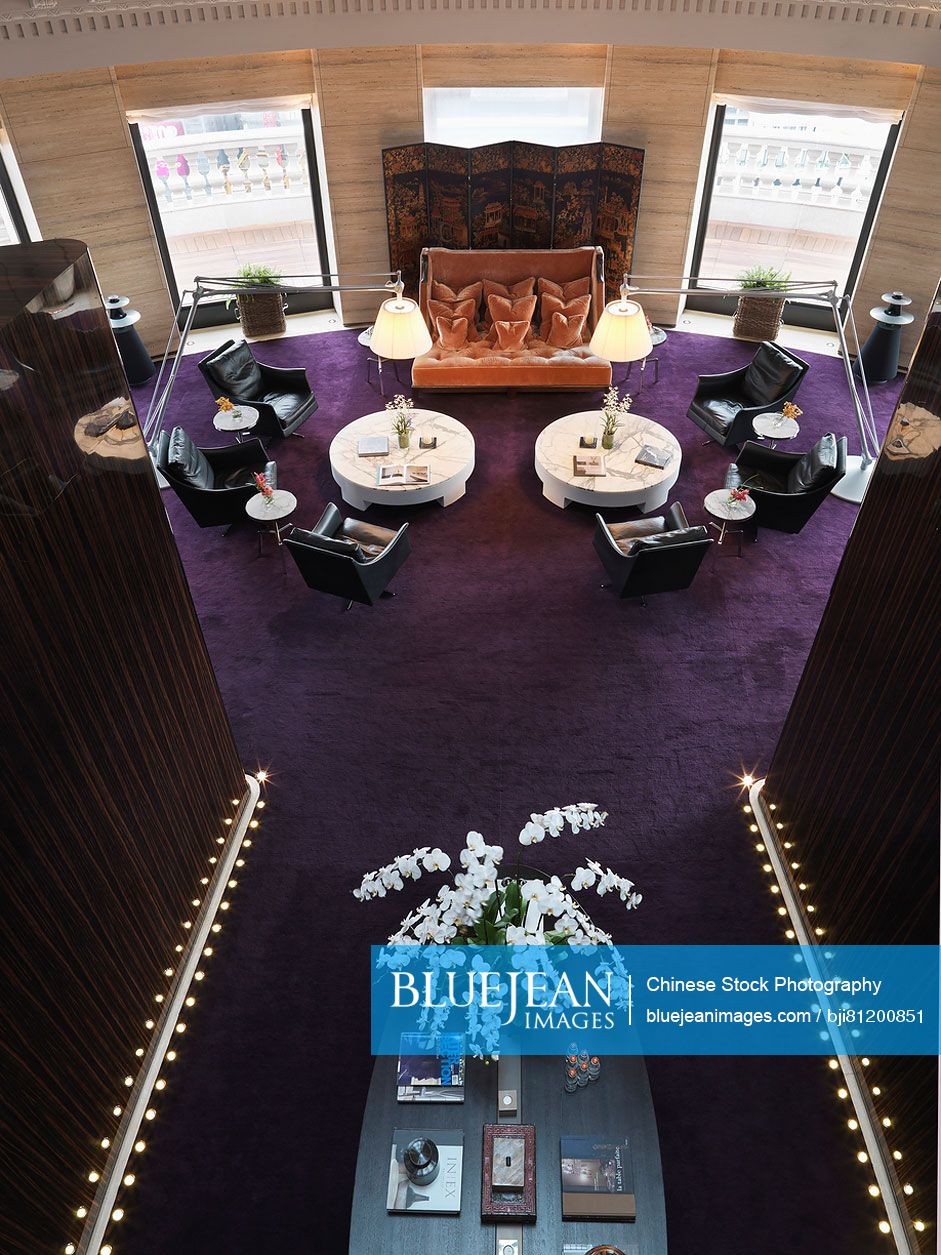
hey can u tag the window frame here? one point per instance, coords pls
(797, 313)
(13, 205)
(215, 313)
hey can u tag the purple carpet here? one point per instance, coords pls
(501, 680)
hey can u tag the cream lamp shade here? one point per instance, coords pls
(399, 331)
(622, 334)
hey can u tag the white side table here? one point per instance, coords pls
(775, 427)
(242, 418)
(720, 507)
(282, 504)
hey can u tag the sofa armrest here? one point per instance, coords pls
(717, 383)
(760, 458)
(229, 456)
(290, 378)
(329, 522)
(676, 518)
(384, 556)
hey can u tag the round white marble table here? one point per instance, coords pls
(451, 462)
(720, 506)
(242, 418)
(282, 504)
(775, 427)
(626, 482)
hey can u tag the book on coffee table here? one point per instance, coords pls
(649, 456)
(373, 446)
(597, 1179)
(440, 1197)
(589, 464)
(400, 475)
(431, 1067)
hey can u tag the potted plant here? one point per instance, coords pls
(613, 410)
(759, 317)
(261, 313)
(400, 408)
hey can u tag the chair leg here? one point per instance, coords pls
(348, 606)
(387, 592)
(643, 601)
(606, 584)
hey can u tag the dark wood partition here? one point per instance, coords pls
(855, 773)
(512, 195)
(120, 765)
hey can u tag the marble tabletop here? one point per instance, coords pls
(450, 462)
(721, 507)
(626, 481)
(775, 426)
(238, 419)
(282, 504)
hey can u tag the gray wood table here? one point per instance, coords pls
(617, 1105)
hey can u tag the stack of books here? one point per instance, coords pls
(431, 1067)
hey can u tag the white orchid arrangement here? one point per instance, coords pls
(483, 907)
(401, 409)
(613, 410)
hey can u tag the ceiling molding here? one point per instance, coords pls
(144, 30)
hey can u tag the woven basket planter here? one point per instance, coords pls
(262, 313)
(758, 318)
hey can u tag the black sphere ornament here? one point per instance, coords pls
(421, 1161)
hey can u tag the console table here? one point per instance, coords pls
(617, 1105)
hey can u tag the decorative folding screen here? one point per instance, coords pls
(512, 195)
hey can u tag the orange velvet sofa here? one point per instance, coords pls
(537, 366)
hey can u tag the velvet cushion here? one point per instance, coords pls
(460, 309)
(451, 332)
(511, 335)
(816, 468)
(565, 291)
(189, 462)
(236, 372)
(472, 292)
(512, 291)
(577, 306)
(771, 373)
(511, 309)
(566, 331)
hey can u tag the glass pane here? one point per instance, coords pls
(8, 231)
(233, 189)
(467, 116)
(791, 191)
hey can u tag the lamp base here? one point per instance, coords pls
(853, 485)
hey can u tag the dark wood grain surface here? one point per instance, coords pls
(618, 1105)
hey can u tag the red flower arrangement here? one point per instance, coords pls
(264, 487)
(738, 496)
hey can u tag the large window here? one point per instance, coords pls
(231, 189)
(793, 190)
(467, 116)
(13, 227)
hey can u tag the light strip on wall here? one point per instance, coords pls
(804, 936)
(101, 1212)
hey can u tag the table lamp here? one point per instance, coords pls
(622, 334)
(400, 331)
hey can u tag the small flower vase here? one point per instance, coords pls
(403, 440)
(607, 440)
(269, 499)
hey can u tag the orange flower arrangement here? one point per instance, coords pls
(790, 410)
(224, 405)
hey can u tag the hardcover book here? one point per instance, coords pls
(440, 1197)
(431, 1067)
(597, 1179)
(372, 446)
(653, 457)
(589, 464)
(392, 476)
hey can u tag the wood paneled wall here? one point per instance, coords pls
(658, 99)
(72, 145)
(70, 137)
(906, 247)
(369, 99)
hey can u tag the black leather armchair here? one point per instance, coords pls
(724, 405)
(787, 488)
(657, 555)
(347, 557)
(282, 397)
(213, 484)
